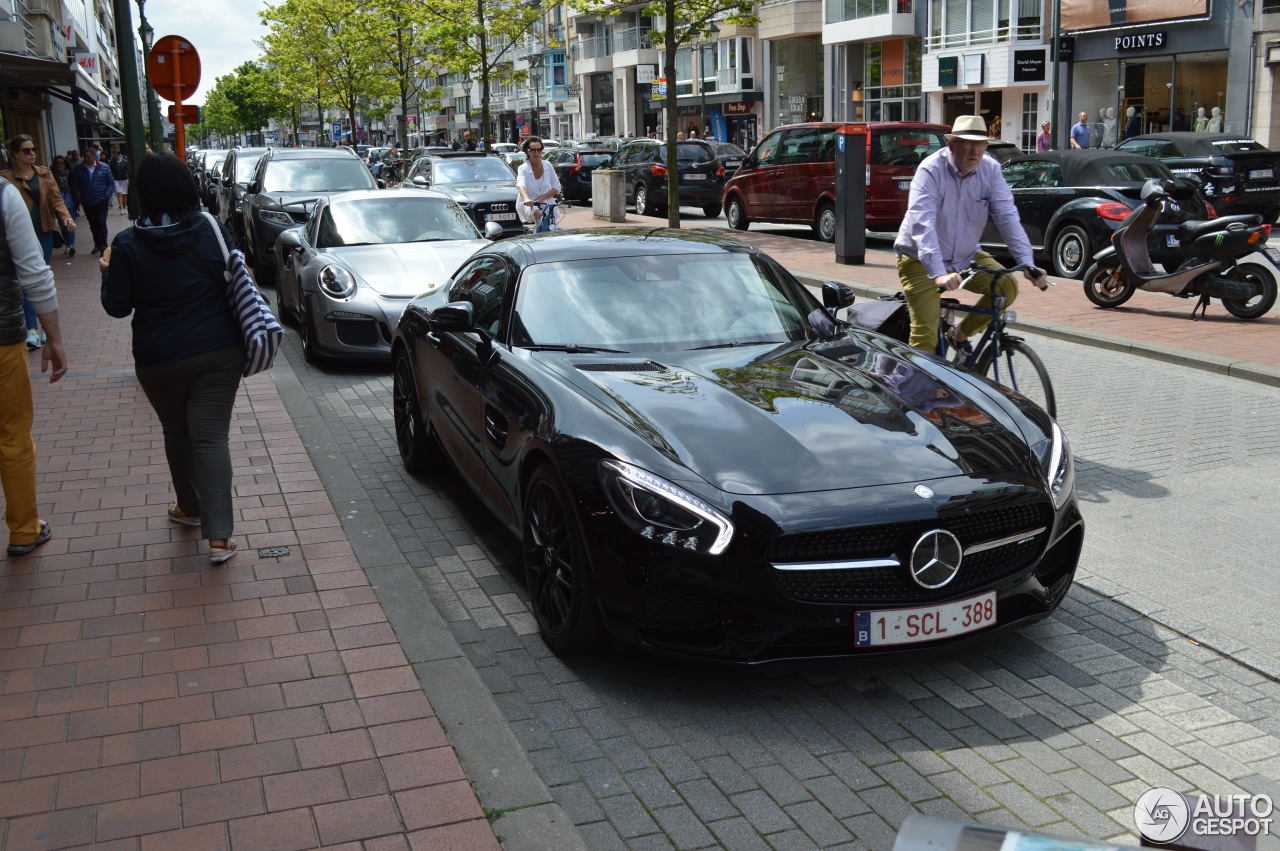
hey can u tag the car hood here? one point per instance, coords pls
(465, 193)
(799, 418)
(408, 269)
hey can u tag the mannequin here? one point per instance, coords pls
(1109, 127)
(1132, 126)
(1215, 121)
(1201, 121)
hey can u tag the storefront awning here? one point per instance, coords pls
(19, 70)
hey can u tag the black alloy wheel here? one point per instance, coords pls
(561, 589)
(736, 215)
(307, 331)
(1071, 252)
(413, 435)
(1107, 285)
(1264, 284)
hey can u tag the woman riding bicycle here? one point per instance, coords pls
(536, 181)
(953, 192)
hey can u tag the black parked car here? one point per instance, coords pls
(1237, 174)
(210, 178)
(643, 163)
(237, 171)
(284, 190)
(729, 155)
(483, 185)
(574, 167)
(699, 460)
(1071, 201)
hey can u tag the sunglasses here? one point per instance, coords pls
(27, 150)
(534, 150)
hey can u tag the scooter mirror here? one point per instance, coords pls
(1153, 188)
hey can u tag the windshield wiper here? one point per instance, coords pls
(574, 349)
(734, 344)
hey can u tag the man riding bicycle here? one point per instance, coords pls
(953, 192)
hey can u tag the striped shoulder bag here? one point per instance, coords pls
(262, 332)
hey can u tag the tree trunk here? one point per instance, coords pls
(673, 119)
(484, 73)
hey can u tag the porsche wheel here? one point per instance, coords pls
(1106, 285)
(307, 331)
(413, 434)
(561, 590)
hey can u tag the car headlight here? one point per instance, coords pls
(663, 513)
(337, 281)
(1059, 467)
(276, 217)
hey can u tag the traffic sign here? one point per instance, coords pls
(190, 113)
(174, 68)
(337, 130)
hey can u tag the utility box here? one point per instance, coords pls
(851, 194)
(608, 195)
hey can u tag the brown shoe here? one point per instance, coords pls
(177, 515)
(218, 555)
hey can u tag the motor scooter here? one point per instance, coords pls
(1209, 268)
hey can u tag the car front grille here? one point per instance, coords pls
(893, 584)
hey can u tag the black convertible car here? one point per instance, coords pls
(1071, 201)
(699, 460)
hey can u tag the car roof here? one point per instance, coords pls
(874, 125)
(365, 194)
(602, 243)
(306, 153)
(1081, 168)
(1202, 142)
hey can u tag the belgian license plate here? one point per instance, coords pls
(889, 627)
(695, 177)
(500, 217)
(732, 164)
(1172, 241)
(1273, 254)
(904, 185)
(1261, 173)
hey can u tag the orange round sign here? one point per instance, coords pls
(174, 68)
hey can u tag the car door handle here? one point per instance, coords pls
(433, 340)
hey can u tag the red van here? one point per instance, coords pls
(790, 177)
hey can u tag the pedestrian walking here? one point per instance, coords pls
(62, 176)
(188, 348)
(1080, 132)
(1044, 142)
(23, 272)
(93, 186)
(119, 166)
(44, 204)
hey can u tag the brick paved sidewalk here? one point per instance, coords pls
(152, 701)
(1151, 323)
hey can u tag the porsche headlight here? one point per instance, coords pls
(1060, 468)
(337, 281)
(662, 512)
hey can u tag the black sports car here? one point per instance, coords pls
(483, 185)
(1071, 201)
(699, 460)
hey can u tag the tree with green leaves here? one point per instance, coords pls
(481, 39)
(254, 91)
(684, 22)
(401, 35)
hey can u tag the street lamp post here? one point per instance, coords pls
(707, 44)
(153, 102)
(573, 90)
(535, 78)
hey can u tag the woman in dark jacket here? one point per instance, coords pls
(188, 352)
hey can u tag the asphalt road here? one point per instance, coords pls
(1058, 728)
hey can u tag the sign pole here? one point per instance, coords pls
(129, 89)
(174, 68)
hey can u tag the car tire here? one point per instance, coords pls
(1107, 285)
(711, 211)
(1261, 304)
(736, 214)
(643, 207)
(824, 223)
(307, 333)
(561, 589)
(1071, 252)
(418, 449)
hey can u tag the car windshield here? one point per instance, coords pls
(1137, 172)
(668, 302)
(728, 149)
(1234, 146)
(245, 166)
(316, 174)
(903, 146)
(691, 152)
(392, 220)
(472, 170)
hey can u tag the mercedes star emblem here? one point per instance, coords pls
(935, 559)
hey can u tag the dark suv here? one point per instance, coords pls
(483, 185)
(284, 190)
(1236, 174)
(237, 171)
(791, 175)
(643, 163)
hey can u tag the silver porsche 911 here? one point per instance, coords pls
(347, 274)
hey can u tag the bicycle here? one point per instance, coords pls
(1023, 370)
(552, 215)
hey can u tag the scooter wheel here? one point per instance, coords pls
(1106, 285)
(1264, 282)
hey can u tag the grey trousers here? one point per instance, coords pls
(193, 399)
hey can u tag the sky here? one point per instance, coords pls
(223, 32)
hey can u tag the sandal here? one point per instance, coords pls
(218, 555)
(46, 532)
(177, 515)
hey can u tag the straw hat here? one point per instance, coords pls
(970, 127)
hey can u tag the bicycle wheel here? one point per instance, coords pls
(1020, 368)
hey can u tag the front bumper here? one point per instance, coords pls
(356, 329)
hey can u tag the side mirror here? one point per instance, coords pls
(836, 295)
(253, 188)
(291, 239)
(455, 317)
(382, 184)
(492, 230)
(420, 180)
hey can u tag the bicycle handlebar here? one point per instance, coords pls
(1036, 274)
